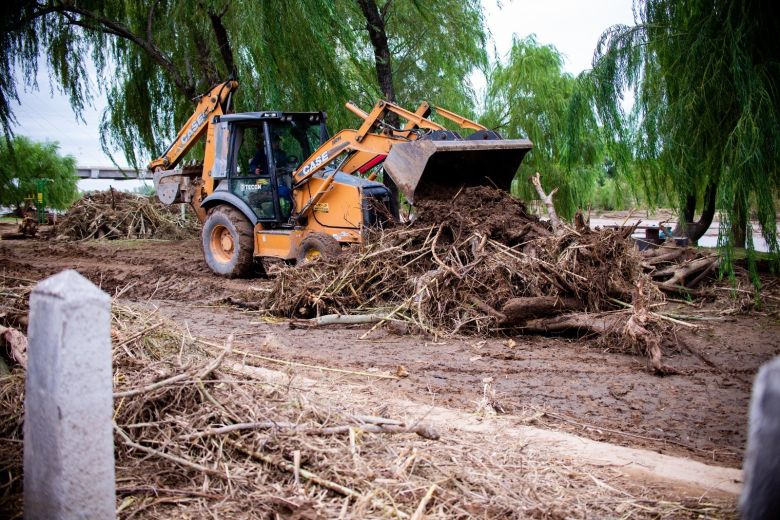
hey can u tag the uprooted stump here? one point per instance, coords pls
(482, 264)
(678, 269)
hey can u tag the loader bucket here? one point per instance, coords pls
(427, 168)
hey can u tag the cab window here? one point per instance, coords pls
(251, 180)
(250, 143)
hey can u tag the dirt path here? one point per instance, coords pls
(699, 413)
(555, 383)
(676, 474)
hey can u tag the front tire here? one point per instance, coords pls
(318, 245)
(228, 242)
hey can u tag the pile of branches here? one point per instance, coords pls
(119, 215)
(200, 431)
(480, 263)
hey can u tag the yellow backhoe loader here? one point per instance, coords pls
(274, 184)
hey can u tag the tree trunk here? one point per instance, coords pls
(223, 42)
(208, 69)
(375, 25)
(694, 230)
(686, 216)
(739, 220)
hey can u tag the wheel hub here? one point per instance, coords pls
(227, 242)
(222, 245)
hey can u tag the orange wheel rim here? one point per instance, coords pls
(221, 242)
(312, 254)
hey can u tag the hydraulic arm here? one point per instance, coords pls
(216, 102)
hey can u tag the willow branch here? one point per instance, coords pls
(548, 201)
(114, 28)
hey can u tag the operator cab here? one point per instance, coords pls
(263, 150)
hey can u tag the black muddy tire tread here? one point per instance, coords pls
(328, 246)
(243, 265)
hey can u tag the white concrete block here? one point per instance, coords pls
(68, 434)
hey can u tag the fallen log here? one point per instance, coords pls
(253, 306)
(488, 310)
(518, 310)
(338, 319)
(702, 275)
(660, 250)
(13, 236)
(667, 256)
(680, 272)
(581, 323)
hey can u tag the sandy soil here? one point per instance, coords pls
(701, 412)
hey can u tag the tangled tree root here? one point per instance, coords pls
(481, 264)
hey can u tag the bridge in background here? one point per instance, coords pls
(111, 172)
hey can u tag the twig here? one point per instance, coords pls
(422, 430)
(620, 432)
(656, 314)
(419, 513)
(139, 334)
(154, 386)
(156, 491)
(218, 360)
(182, 376)
(174, 458)
(436, 257)
(297, 364)
(403, 304)
(313, 477)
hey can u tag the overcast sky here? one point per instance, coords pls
(573, 26)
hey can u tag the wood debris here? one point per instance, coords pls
(120, 215)
(482, 265)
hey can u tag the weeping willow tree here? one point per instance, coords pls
(705, 124)
(431, 50)
(530, 96)
(152, 58)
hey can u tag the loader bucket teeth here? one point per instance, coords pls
(422, 168)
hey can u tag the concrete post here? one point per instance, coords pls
(68, 434)
(761, 494)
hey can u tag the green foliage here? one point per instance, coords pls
(530, 96)
(154, 57)
(707, 110)
(435, 47)
(25, 161)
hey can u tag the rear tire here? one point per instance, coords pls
(228, 243)
(318, 245)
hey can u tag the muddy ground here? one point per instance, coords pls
(700, 412)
